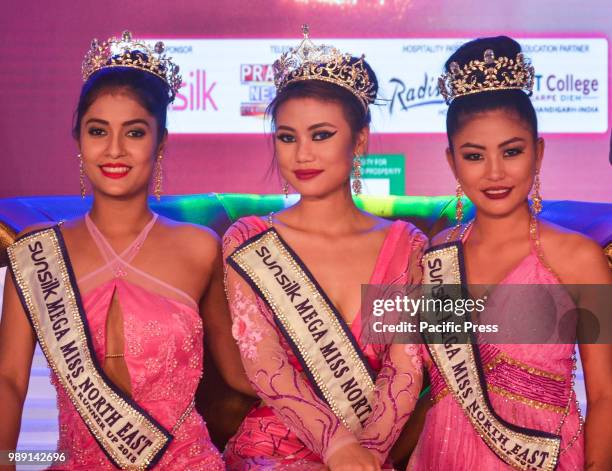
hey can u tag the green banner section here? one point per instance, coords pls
(383, 174)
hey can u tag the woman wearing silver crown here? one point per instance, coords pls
(501, 402)
(329, 400)
(116, 299)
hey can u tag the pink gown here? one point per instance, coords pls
(163, 352)
(529, 385)
(292, 429)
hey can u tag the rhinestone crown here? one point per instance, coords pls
(489, 74)
(325, 63)
(128, 52)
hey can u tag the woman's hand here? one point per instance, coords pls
(353, 457)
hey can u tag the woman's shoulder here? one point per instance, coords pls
(576, 258)
(244, 228)
(414, 235)
(66, 226)
(452, 233)
(36, 227)
(193, 238)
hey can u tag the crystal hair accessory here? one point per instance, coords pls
(326, 63)
(128, 52)
(489, 74)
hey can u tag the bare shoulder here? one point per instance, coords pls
(442, 237)
(67, 226)
(39, 226)
(193, 238)
(380, 222)
(577, 258)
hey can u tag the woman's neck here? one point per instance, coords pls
(497, 230)
(119, 217)
(332, 214)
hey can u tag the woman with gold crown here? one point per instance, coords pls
(329, 400)
(116, 298)
(507, 402)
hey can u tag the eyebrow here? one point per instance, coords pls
(127, 123)
(321, 125)
(310, 128)
(512, 140)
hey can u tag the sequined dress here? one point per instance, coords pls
(292, 429)
(529, 385)
(163, 350)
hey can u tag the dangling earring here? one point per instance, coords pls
(286, 190)
(157, 189)
(536, 199)
(536, 208)
(459, 204)
(357, 174)
(81, 175)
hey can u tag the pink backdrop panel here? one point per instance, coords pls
(42, 45)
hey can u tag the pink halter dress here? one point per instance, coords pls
(163, 352)
(529, 385)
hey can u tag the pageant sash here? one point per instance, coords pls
(47, 287)
(317, 334)
(458, 361)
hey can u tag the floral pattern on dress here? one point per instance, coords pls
(244, 329)
(414, 352)
(163, 375)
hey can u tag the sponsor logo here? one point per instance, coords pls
(259, 81)
(410, 95)
(565, 87)
(196, 93)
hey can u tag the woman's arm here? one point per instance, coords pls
(17, 344)
(400, 379)
(398, 385)
(218, 330)
(591, 269)
(597, 367)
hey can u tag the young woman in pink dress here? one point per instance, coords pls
(329, 400)
(496, 155)
(142, 287)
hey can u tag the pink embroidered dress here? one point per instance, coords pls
(529, 385)
(163, 353)
(292, 428)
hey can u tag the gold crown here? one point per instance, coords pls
(325, 63)
(128, 52)
(488, 74)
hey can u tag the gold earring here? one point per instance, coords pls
(286, 190)
(459, 204)
(357, 174)
(81, 175)
(536, 199)
(157, 188)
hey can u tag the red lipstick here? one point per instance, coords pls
(115, 170)
(307, 174)
(497, 192)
